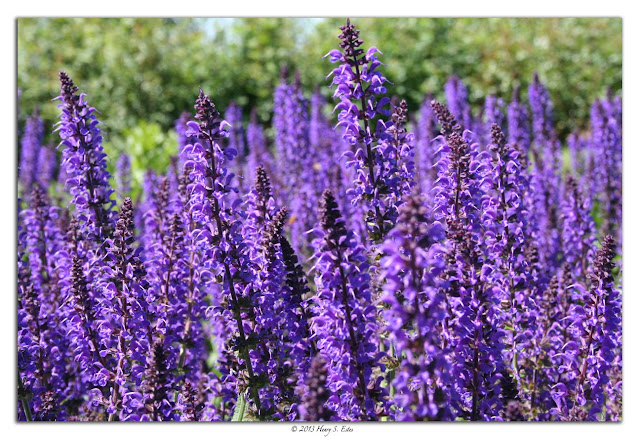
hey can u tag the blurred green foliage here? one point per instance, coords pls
(148, 145)
(150, 69)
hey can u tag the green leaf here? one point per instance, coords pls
(238, 413)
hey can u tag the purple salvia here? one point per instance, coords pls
(279, 110)
(82, 330)
(187, 311)
(345, 324)
(541, 115)
(85, 162)
(259, 154)
(38, 361)
(379, 157)
(317, 121)
(187, 403)
(471, 325)
(298, 288)
(123, 175)
(157, 215)
(493, 113)
(279, 356)
(411, 270)
(41, 331)
(127, 289)
(518, 125)
(578, 152)
(546, 178)
(88, 330)
(173, 174)
(541, 360)
(300, 179)
(281, 125)
(236, 140)
(180, 309)
(43, 238)
(260, 205)
(329, 149)
(315, 393)
(144, 201)
(30, 151)
(183, 139)
(457, 101)
(552, 335)
(226, 252)
(578, 230)
(607, 150)
(505, 218)
(157, 386)
(426, 157)
(46, 166)
(613, 107)
(397, 146)
(597, 322)
(448, 122)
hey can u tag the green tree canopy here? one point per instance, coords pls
(150, 69)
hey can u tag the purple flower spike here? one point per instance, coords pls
(123, 175)
(518, 124)
(412, 269)
(591, 360)
(30, 151)
(382, 153)
(85, 162)
(345, 324)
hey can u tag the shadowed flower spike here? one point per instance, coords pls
(345, 324)
(315, 393)
(448, 122)
(590, 361)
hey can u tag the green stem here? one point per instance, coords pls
(245, 349)
(25, 404)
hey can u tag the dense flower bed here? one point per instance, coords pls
(451, 266)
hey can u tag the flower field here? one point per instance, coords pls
(377, 264)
